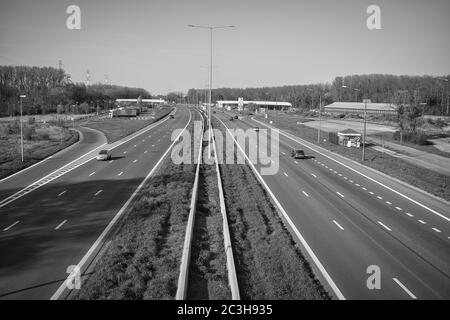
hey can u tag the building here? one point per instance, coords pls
(349, 138)
(240, 104)
(358, 107)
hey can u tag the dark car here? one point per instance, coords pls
(172, 116)
(231, 119)
(236, 117)
(298, 154)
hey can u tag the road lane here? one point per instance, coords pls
(369, 242)
(38, 264)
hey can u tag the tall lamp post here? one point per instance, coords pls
(210, 28)
(21, 124)
(445, 80)
(320, 118)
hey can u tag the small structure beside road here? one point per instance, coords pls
(349, 138)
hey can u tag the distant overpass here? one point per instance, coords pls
(241, 104)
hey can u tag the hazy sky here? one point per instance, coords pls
(278, 42)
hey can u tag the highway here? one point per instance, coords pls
(89, 140)
(352, 217)
(53, 226)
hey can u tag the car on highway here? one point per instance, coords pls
(172, 116)
(256, 129)
(236, 117)
(104, 155)
(231, 119)
(298, 154)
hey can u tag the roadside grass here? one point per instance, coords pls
(40, 142)
(269, 263)
(430, 148)
(208, 277)
(119, 127)
(425, 179)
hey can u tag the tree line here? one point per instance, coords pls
(50, 90)
(430, 93)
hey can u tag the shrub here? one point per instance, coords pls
(28, 133)
(31, 120)
(418, 137)
(44, 136)
(13, 127)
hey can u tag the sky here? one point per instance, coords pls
(275, 42)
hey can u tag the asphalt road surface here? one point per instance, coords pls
(352, 218)
(44, 231)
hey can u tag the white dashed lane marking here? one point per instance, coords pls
(59, 195)
(286, 174)
(92, 173)
(60, 225)
(384, 226)
(120, 174)
(97, 193)
(339, 226)
(305, 193)
(340, 194)
(437, 230)
(422, 222)
(404, 288)
(313, 175)
(7, 228)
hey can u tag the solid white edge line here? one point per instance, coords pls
(311, 253)
(7, 228)
(99, 240)
(354, 170)
(404, 288)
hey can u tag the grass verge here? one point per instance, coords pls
(118, 128)
(208, 278)
(38, 147)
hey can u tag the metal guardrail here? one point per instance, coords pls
(185, 260)
(186, 256)
(232, 276)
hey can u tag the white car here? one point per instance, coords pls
(104, 155)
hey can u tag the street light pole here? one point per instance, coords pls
(364, 134)
(211, 28)
(21, 124)
(320, 119)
